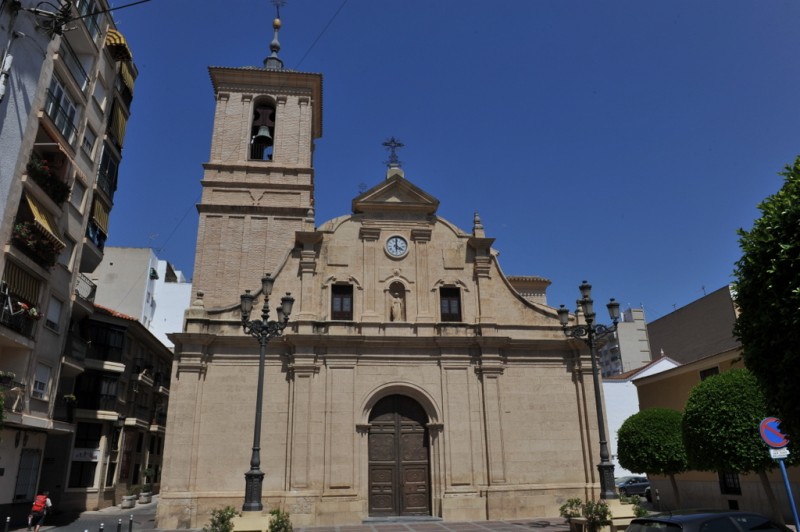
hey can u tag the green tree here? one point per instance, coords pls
(651, 442)
(768, 296)
(720, 428)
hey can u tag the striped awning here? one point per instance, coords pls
(118, 125)
(126, 75)
(118, 47)
(44, 221)
(21, 283)
(100, 215)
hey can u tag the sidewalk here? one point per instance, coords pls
(142, 519)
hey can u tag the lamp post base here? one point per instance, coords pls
(607, 488)
(253, 480)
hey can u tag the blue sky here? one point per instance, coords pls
(623, 142)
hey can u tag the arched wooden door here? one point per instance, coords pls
(399, 483)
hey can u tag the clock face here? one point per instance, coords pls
(396, 246)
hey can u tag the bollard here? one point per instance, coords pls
(119, 525)
(130, 524)
(101, 527)
(8, 523)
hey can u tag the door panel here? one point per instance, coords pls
(399, 482)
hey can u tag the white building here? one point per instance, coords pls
(622, 401)
(135, 282)
(629, 347)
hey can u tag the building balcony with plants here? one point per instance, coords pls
(41, 171)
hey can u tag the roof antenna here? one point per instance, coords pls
(272, 62)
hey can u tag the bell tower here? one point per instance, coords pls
(258, 185)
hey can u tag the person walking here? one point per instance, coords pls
(41, 504)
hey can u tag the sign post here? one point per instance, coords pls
(772, 436)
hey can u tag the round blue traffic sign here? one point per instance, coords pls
(771, 433)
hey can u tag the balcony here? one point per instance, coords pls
(103, 402)
(39, 169)
(75, 355)
(61, 118)
(106, 183)
(18, 316)
(74, 65)
(85, 291)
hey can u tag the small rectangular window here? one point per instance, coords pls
(78, 193)
(65, 257)
(710, 372)
(729, 484)
(450, 300)
(41, 382)
(53, 318)
(89, 138)
(342, 302)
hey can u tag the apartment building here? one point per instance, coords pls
(66, 98)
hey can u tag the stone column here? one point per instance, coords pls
(371, 247)
(421, 239)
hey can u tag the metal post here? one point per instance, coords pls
(130, 524)
(254, 478)
(101, 527)
(789, 492)
(263, 330)
(589, 333)
(8, 523)
(119, 525)
(605, 468)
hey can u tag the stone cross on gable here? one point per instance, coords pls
(392, 145)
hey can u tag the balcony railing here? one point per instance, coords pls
(96, 235)
(60, 118)
(88, 12)
(85, 288)
(20, 322)
(98, 402)
(74, 65)
(104, 352)
(106, 183)
(77, 348)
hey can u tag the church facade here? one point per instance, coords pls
(413, 378)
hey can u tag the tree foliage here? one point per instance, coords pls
(651, 441)
(768, 296)
(720, 424)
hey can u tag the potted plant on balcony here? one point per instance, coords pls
(39, 170)
(30, 239)
(7, 377)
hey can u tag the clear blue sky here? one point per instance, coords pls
(623, 141)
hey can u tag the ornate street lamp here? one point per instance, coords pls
(263, 330)
(590, 333)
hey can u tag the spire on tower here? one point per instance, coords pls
(273, 62)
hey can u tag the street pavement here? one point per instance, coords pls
(142, 519)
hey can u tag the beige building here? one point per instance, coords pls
(701, 335)
(413, 379)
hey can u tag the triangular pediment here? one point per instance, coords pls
(395, 194)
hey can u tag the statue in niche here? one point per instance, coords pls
(397, 307)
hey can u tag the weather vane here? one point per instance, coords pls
(392, 145)
(278, 5)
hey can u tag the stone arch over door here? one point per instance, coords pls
(399, 458)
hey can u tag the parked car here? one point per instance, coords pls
(705, 521)
(631, 485)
